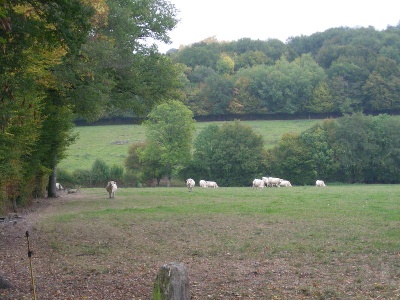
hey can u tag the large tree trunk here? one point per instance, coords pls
(52, 189)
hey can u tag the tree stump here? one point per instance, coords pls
(172, 283)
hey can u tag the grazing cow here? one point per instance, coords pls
(258, 183)
(285, 183)
(111, 188)
(320, 183)
(190, 183)
(203, 183)
(59, 186)
(272, 181)
(266, 181)
(211, 184)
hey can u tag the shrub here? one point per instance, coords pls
(100, 173)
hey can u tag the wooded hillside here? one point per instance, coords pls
(340, 70)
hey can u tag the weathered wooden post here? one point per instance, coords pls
(172, 283)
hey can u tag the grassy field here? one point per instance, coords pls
(111, 143)
(338, 242)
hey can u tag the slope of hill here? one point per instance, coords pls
(111, 143)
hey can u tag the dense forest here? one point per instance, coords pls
(340, 70)
(331, 73)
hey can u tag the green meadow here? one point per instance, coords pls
(111, 143)
(337, 242)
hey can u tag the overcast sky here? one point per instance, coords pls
(230, 20)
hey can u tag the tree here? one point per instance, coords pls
(292, 159)
(55, 136)
(384, 163)
(381, 88)
(116, 173)
(225, 64)
(34, 36)
(64, 59)
(287, 86)
(199, 74)
(143, 164)
(318, 142)
(251, 58)
(217, 93)
(342, 101)
(250, 89)
(200, 54)
(100, 173)
(321, 101)
(116, 69)
(231, 155)
(352, 148)
(204, 145)
(354, 77)
(366, 148)
(169, 132)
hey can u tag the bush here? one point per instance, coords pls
(67, 179)
(83, 178)
(100, 173)
(117, 173)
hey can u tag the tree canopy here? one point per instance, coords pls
(66, 59)
(169, 132)
(230, 155)
(341, 70)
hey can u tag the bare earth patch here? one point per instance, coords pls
(215, 272)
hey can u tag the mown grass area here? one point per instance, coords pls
(111, 143)
(338, 242)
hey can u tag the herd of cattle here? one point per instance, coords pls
(208, 184)
(257, 183)
(190, 183)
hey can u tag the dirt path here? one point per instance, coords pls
(14, 260)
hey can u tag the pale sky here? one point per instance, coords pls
(230, 20)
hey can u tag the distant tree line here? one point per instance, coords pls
(341, 70)
(331, 73)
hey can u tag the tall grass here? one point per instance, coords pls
(111, 143)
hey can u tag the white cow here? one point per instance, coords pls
(59, 186)
(320, 183)
(272, 181)
(203, 183)
(258, 183)
(285, 183)
(190, 183)
(266, 180)
(111, 188)
(211, 184)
